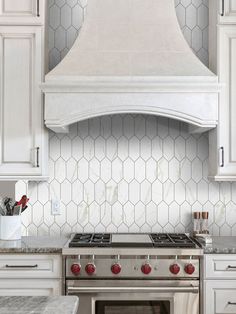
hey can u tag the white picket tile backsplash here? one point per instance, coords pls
(127, 172)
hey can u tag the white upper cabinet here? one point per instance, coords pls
(227, 11)
(23, 139)
(26, 12)
(222, 55)
(223, 139)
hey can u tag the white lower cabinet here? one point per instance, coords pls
(219, 284)
(30, 274)
(220, 297)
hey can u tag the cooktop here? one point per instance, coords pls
(164, 240)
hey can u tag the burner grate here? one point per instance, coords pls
(172, 240)
(90, 239)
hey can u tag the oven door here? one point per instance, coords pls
(135, 296)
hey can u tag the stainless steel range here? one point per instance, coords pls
(133, 273)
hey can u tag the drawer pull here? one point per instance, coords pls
(22, 266)
(231, 267)
(231, 303)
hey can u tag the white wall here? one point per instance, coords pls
(130, 172)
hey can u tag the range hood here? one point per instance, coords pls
(131, 57)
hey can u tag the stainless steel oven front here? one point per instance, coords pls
(135, 296)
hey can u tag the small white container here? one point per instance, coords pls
(10, 227)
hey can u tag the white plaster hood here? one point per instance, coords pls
(131, 57)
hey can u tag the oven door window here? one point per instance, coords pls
(132, 307)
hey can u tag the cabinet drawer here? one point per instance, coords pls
(30, 287)
(219, 297)
(30, 266)
(225, 301)
(220, 266)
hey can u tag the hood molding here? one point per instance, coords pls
(79, 89)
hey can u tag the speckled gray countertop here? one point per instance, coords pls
(39, 305)
(34, 245)
(221, 245)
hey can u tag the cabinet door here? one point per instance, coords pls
(219, 297)
(21, 129)
(30, 287)
(227, 11)
(22, 12)
(223, 144)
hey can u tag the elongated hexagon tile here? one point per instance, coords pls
(89, 192)
(38, 213)
(117, 214)
(129, 214)
(66, 192)
(134, 192)
(151, 213)
(77, 191)
(191, 16)
(60, 170)
(168, 192)
(112, 192)
(174, 170)
(128, 170)
(66, 148)
(174, 214)
(71, 170)
(145, 148)
(134, 148)
(146, 192)
(180, 190)
(140, 173)
(185, 170)
(83, 170)
(106, 214)
(117, 170)
(71, 214)
(94, 170)
(151, 170)
(163, 214)
(157, 190)
(100, 192)
(123, 195)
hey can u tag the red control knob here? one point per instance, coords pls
(189, 269)
(116, 269)
(174, 269)
(90, 269)
(75, 269)
(146, 268)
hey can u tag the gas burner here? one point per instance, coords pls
(89, 239)
(172, 240)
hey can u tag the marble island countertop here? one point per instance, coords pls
(39, 305)
(221, 245)
(34, 245)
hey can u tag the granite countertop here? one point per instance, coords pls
(221, 245)
(39, 305)
(34, 245)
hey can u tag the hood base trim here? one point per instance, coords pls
(199, 109)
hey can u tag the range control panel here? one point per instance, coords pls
(84, 267)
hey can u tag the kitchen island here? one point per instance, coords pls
(39, 305)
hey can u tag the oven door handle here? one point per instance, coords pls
(78, 290)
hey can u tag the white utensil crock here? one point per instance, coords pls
(10, 227)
